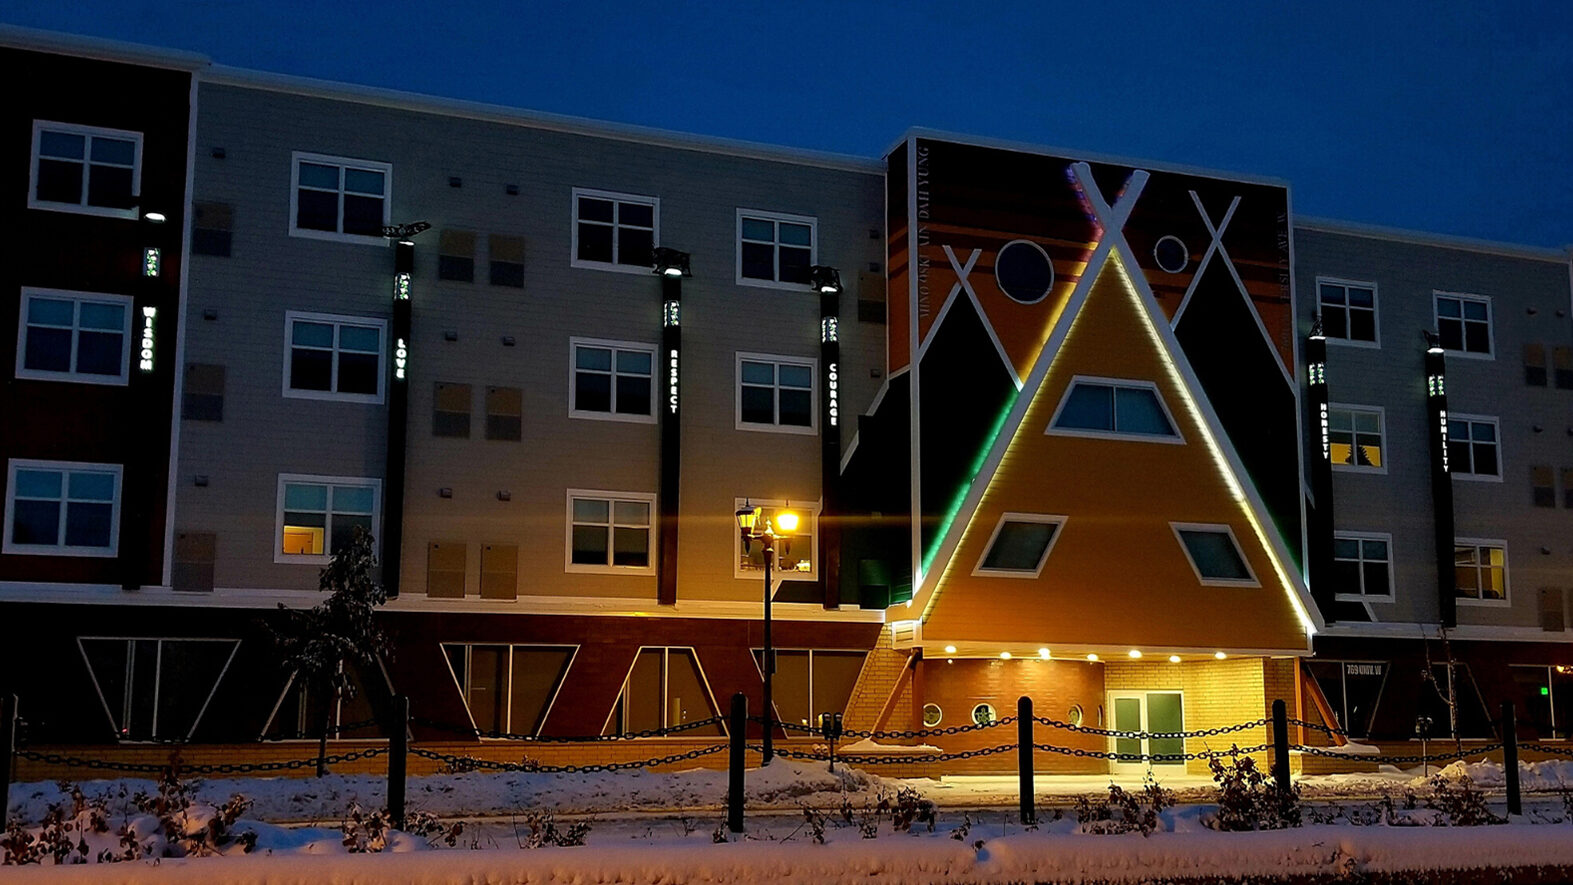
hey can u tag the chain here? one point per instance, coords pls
(221, 768)
(1149, 735)
(912, 733)
(1317, 726)
(1542, 748)
(467, 762)
(540, 739)
(1397, 760)
(859, 759)
(1150, 757)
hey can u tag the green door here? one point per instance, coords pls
(1165, 713)
(1152, 712)
(1128, 717)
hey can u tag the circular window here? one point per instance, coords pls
(931, 715)
(1074, 717)
(983, 714)
(1171, 254)
(1024, 271)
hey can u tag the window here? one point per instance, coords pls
(1362, 564)
(665, 688)
(507, 260)
(983, 714)
(1543, 700)
(339, 199)
(1542, 486)
(1348, 310)
(1480, 570)
(202, 396)
(1354, 434)
(774, 249)
(1214, 555)
(1105, 407)
(85, 169)
(212, 227)
(797, 552)
(615, 231)
(62, 508)
(156, 688)
(1353, 689)
(612, 380)
(1472, 447)
(504, 413)
(1454, 681)
(318, 515)
(776, 393)
(334, 357)
(508, 689)
(1535, 365)
(74, 336)
(445, 568)
(450, 414)
(300, 709)
(1020, 545)
(1562, 363)
(609, 531)
(456, 256)
(809, 682)
(1464, 322)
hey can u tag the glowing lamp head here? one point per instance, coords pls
(1043, 653)
(786, 521)
(950, 649)
(155, 217)
(1093, 658)
(1219, 655)
(747, 518)
(1134, 653)
(671, 262)
(1174, 659)
(825, 280)
(1004, 655)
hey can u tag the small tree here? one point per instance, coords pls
(317, 643)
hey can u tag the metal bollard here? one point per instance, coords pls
(8, 707)
(1029, 813)
(398, 758)
(737, 725)
(1515, 801)
(1281, 745)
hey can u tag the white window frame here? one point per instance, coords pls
(574, 343)
(1491, 330)
(1392, 590)
(338, 236)
(1044, 518)
(1214, 527)
(158, 665)
(761, 215)
(611, 497)
(573, 215)
(1178, 439)
(464, 698)
(1376, 311)
(84, 207)
(1381, 417)
(73, 375)
(666, 670)
(809, 511)
(1495, 422)
(1507, 579)
(61, 549)
(282, 558)
(292, 316)
(778, 360)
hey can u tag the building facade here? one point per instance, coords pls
(1055, 428)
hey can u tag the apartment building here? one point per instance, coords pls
(1051, 425)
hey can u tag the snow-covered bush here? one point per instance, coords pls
(1461, 802)
(544, 831)
(1137, 812)
(1248, 799)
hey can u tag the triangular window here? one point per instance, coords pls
(1111, 407)
(665, 689)
(508, 689)
(156, 688)
(1214, 554)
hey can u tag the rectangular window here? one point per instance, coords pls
(334, 198)
(1535, 364)
(212, 227)
(1355, 437)
(609, 532)
(508, 689)
(1542, 485)
(74, 336)
(456, 256)
(334, 357)
(612, 380)
(1362, 564)
(1020, 545)
(1464, 322)
(1348, 310)
(1562, 363)
(665, 688)
(62, 508)
(615, 231)
(796, 550)
(156, 688)
(507, 260)
(809, 683)
(499, 571)
(85, 169)
(450, 414)
(1472, 447)
(775, 249)
(1214, 554)
(1543, 701)
(445, 567)
(317, 515)
(777, 393)
(303, 704)
(1106, 407)
(1480, 570)
(202, 397)
(504, 413)
(1353, 689)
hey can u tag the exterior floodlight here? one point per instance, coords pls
(1219, 655)
(1043, 653)
(1004, 655)
(155, 217)
(1134, 653)
(1092, 658)
(1174, 659)
(1433, 342)
(825, 280)
(950, 649)
(1316, 328)
(671, 262)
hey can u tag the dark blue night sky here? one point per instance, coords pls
(1452, 117)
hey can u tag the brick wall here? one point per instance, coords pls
(1216, 694)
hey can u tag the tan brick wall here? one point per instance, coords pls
(882, 670)
(1216, 694)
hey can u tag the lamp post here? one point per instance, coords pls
(752, 527)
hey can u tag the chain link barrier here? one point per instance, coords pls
(218, 768)
(871, 735)
(1553, 751)
(466, 762)
(895, 759)
(1402, 760)
(1151, 735)
(472, 731)
(1150, 757)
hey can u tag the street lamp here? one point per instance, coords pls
(753, 526)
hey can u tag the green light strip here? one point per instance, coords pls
(961, 497)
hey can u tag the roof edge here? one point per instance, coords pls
(1426, 238)
(36, 40)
